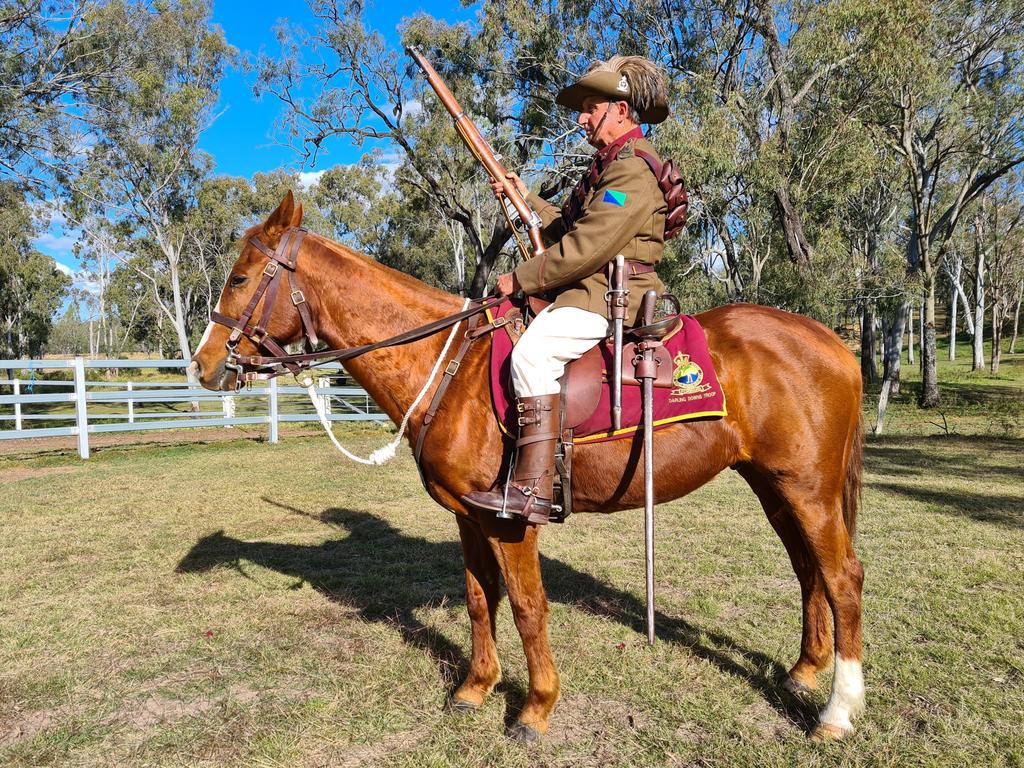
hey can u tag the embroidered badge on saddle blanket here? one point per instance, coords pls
(695, 392)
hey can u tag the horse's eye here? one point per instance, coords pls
(237, 280)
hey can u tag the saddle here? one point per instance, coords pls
(686, 387)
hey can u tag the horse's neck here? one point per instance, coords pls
(361, 302)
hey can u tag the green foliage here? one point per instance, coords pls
(136, 192)
(31, 286)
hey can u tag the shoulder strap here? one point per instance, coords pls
(672, 187)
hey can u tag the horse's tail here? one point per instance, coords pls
(854, 470)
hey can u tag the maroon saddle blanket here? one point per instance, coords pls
(695, 392)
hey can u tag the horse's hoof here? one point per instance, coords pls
(461, 706)
(826, 732)
(795, 687)
(524, 734)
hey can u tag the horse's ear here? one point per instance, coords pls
(281, 218)
(297, 216)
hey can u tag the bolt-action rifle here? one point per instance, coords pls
(517, 211)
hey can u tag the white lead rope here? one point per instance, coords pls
(387, 452)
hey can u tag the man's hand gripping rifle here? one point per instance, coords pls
(518, 212)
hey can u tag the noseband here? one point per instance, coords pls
(287, 256)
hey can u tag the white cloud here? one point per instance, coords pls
(308, 178)
(64, 268)
(53, 244)
(392, 160)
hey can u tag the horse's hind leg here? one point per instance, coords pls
(483, 593)
(828, 541)
(816, 641)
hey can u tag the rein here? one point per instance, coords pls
(249, 368)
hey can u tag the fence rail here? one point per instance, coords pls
(117, 404)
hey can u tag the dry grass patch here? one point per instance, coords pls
(166, 605)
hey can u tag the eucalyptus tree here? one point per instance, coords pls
(367, 93)
(951, 108)
(142, 174)
(31, 287)
(999, 263)
(51, 62)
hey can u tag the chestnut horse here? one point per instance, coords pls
(793, 432)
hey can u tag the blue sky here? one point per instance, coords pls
(240, 140)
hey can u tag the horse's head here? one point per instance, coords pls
(258, 311)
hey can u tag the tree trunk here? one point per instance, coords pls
(868, 370)
(910, 334)
(178, 323)
(954, 303)
(883, 406)
(920, 327)
(929, 363)
(799, 249)
(997, 335)
(892, 344)
(978, 348)
(1016, 319)
(732, 262)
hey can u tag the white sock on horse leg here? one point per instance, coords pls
(847, 699)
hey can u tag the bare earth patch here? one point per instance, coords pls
(24, 473)
(35, 446)
(27, 726)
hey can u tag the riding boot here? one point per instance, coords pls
(531, 488)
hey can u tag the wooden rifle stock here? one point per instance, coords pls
(482, 151)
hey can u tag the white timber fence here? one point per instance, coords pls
(55, 398)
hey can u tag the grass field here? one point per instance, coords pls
(243, 604)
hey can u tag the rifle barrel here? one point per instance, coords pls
(476, 143)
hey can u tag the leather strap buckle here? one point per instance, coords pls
(271, 269)
(300, 300)
(452, 368)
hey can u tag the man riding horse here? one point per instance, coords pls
(616, 208)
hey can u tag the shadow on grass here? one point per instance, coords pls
(945, 456)
(960, 461)
(387, 575)
(1000, 509)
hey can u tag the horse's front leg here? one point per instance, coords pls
(483, 592)
(515, 547)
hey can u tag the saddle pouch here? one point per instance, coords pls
(662, 362)
(514, 325)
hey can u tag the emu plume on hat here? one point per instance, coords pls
(623, 78)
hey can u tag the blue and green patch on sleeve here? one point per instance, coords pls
(614, 197)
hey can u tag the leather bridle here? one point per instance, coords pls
(287, 256)
(249, 368)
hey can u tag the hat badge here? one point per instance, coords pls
(623, 85)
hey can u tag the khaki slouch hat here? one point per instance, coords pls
(623, 78)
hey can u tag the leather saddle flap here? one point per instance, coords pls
(581, 388)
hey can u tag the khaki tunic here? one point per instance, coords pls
(573, 268)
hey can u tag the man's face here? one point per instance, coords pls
(603, 121)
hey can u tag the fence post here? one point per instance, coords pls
(323, 383)
(16, 383)
(81, 417)
(131, 405)
(228, 405)
(272, 403)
